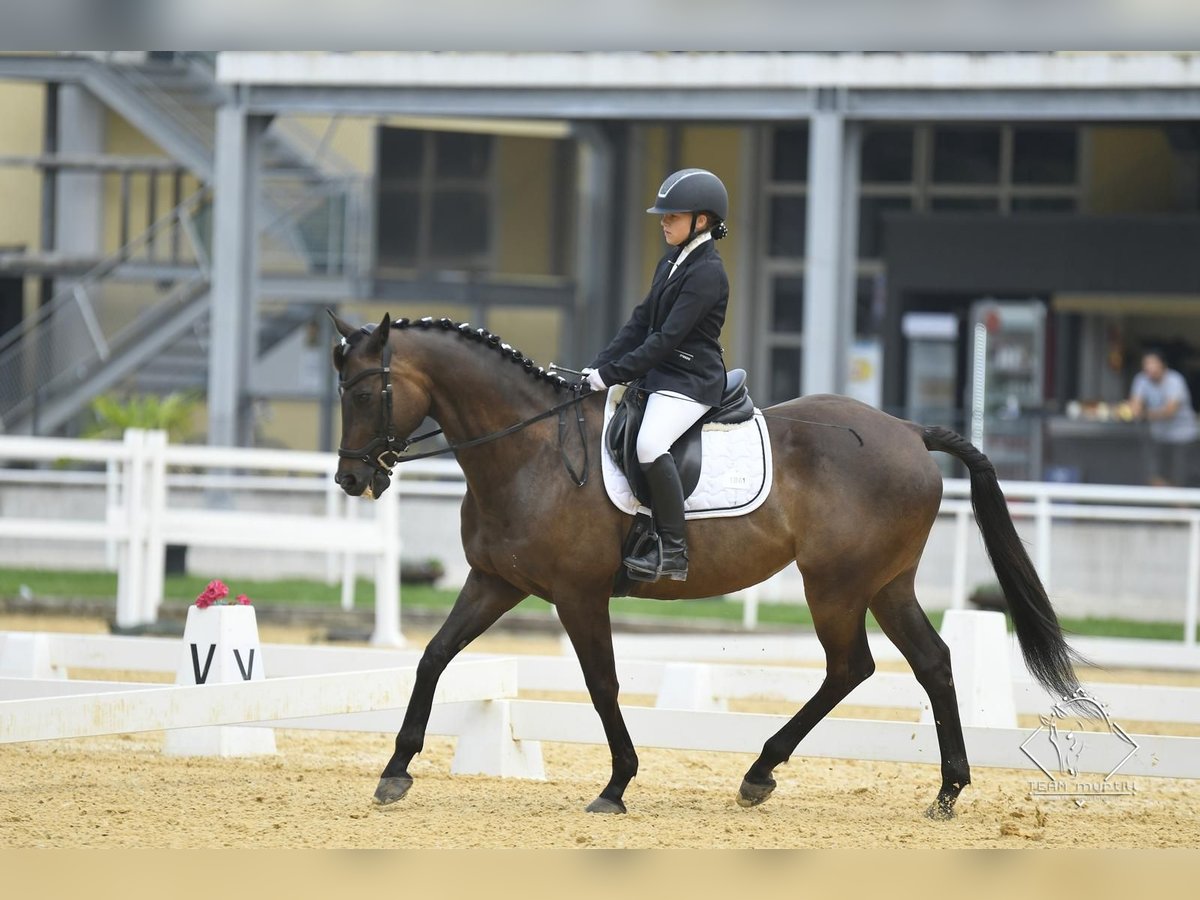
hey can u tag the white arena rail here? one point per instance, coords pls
(500, 735)
(140, 520)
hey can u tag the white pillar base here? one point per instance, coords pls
(220, 646)
(486, 746)
(980, 656)
(688, 686)
(27, 656)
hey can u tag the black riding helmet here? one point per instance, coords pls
(694, 191)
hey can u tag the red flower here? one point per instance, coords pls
(243, 600)
(215, 591)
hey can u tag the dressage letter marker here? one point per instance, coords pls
(230, 634)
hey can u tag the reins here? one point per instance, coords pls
(387, 444)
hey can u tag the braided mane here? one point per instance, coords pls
(479, 336)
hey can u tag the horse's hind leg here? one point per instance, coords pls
(905, 623)
(840, 624)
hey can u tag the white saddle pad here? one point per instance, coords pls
(735, 468)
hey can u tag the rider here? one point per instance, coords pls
(672, 341)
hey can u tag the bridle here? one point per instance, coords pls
(385, 443)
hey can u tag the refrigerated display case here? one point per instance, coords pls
(1005, 393)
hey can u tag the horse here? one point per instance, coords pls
(854, 496)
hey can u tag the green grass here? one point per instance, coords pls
(183, 589)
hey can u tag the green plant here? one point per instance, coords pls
(172, 413)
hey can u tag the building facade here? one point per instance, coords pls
(885, 208)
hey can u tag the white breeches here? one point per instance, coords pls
(668, 415)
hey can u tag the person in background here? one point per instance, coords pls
(1160, 396)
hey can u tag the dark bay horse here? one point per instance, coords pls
(853, 516)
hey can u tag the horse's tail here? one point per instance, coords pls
(1038, 632)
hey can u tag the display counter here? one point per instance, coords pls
(1095, 452)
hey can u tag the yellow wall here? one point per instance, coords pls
(525, 209)
(21, 112)
(1132, 170)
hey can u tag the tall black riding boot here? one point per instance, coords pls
(668, 555)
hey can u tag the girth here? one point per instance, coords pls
(621, 435)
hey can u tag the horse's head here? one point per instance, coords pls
(382, 403)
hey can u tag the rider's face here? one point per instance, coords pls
(676, 226)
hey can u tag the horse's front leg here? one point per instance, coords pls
(483, 600)
(586, 621)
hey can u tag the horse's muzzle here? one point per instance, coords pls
(370, 486)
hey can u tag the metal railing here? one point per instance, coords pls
(84, 325)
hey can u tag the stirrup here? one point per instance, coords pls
(638, 573)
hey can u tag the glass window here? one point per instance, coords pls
(1044, 155)
(460, 224)
(787, 226)
(401, 153)
(1043, 204)
(964, 204)
(887, 155)
(870, 222)
(966, 155)
(399, 226)
(460, 155)
(785, 373)
(789, 154)
(787, 304)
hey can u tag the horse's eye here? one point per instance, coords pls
(361, 397)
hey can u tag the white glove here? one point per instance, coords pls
(595, 382)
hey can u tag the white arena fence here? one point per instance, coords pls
(351, 689)
(141, 518)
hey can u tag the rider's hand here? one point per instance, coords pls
(594, 381)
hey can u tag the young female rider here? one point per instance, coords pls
(672, 341)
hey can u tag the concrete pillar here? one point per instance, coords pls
(830, 247)
(235, 274)
(79, 219)
(595, 177)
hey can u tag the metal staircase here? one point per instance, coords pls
(138, 319)
(96, 331)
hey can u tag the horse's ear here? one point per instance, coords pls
(344, 328)
(379, 336)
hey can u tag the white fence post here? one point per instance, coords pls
(131, 572)
(750, 606)
(349, 563)
(958, 585)
(332, 495)
(387, 571)
(112, 511)
(156, 495)
(1042, 537)
(1193, 583)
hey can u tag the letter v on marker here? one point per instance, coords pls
(246, 670)
(202, 676)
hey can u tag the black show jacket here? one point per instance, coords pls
(673, 337)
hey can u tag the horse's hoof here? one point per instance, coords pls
(751, 794)
(604, 805)
(940, 810)
(392, 789)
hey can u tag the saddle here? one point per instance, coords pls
(621, 437)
